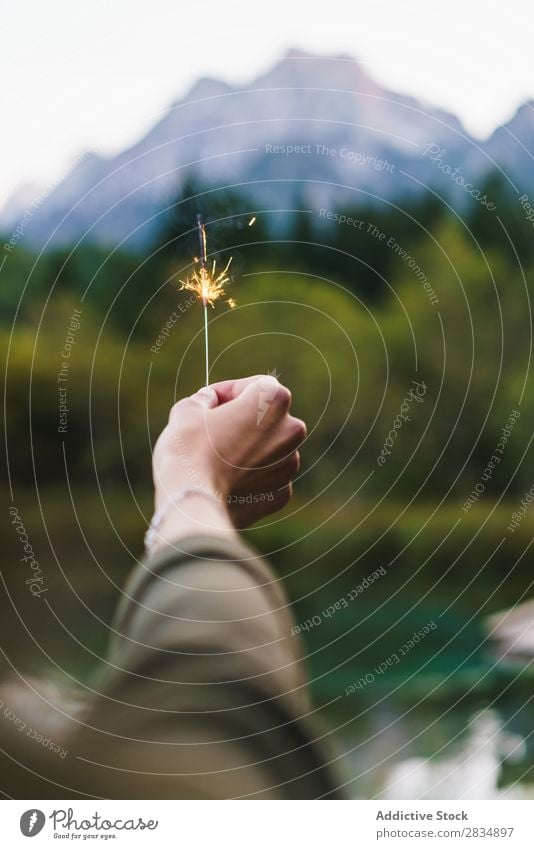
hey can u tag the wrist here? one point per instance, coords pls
(189, 510)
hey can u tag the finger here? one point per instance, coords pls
(283, 469)
(283, 496)
(244, 515)
(296, 432)
(261, 404)
(205, 397)
(227, 390)
(264, 402)
(271, 475)
(287, 440)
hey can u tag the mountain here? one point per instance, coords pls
(312, 132)
(511, 147)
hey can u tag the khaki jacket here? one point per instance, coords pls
(204, 695)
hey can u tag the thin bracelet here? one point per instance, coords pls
(160, 515)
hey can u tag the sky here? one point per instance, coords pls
(81, 75)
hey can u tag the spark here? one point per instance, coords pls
(252, 220)
(207, 283)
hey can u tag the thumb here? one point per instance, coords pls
(206, 396)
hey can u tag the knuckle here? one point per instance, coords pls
(267, 383)
(283, 397)
(284, 495)
(294, 463)
(279, 394)
(298, 430)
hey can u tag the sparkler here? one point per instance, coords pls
(207, 284)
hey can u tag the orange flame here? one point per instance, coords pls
(208, 285)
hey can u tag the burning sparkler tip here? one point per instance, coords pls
(206, 282)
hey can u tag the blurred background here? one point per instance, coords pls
(386, 154)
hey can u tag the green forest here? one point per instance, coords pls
(353, 311)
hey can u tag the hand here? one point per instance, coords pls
(235, 439)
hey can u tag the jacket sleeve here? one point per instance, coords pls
(205, 695)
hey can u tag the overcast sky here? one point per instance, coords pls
(80, 75)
